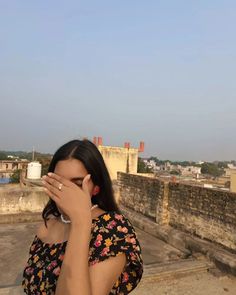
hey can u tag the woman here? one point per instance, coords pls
(85, 246)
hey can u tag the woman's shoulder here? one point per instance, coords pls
(112, 221)
(41, 230)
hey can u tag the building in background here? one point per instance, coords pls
(8, 167)
(124, 159)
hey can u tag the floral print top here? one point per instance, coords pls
(111, 235)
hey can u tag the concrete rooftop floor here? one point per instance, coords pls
(165, 271)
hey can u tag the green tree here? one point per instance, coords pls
(142, 167)
(3, 156)
(15, 178)
(175, 172)
(211, 169)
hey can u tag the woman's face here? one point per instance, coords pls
(73, 170)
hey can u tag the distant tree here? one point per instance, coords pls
(222, 165)
(45, 161)
(158, 161)
(15, 178)
(211, 169)
(175, 172)
(3, 156)
(142, 167)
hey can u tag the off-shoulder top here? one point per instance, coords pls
(111, 235)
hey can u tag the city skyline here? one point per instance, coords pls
(161, 72)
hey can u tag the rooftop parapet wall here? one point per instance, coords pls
(207, 213)
(144, 195)
(18, 200)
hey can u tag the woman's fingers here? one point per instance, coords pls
(59, 179)
(52, 181)
(51, 188)
(51, 195)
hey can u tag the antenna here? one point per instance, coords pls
(33, 155)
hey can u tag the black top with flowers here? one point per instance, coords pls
(111, 234)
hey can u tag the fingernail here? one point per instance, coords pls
(49, 173)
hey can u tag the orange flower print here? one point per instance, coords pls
(40, 274)
(36, 258)
(117, 284)
(42, 286)
(106, 217)
(129, 287)
(108, 242)
(53, 251)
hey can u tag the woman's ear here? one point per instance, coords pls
(96, 190)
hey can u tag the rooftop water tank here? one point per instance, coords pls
(34, 170)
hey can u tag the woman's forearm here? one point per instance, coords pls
(74, 276)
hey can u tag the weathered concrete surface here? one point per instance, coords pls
(22, 217)
(196, 284)
(25, 199)
(185, 242)
(162, 262)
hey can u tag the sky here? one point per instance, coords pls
(162, 72)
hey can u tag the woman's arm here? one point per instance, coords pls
(74, 276)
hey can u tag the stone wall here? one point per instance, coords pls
(207, 213)
(20, 200)
(144, 195)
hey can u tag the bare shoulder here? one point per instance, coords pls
(42, 231)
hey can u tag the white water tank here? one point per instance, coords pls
(34, 170)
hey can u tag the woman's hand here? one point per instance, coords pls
(71, 199)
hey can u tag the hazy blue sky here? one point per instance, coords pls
(159, 71)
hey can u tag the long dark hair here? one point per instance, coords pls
(88, 153)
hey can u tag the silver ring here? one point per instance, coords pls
(60, 186)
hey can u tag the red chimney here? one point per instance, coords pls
(141, 147)
(95, 140)
(99, 140)
(127, 145)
